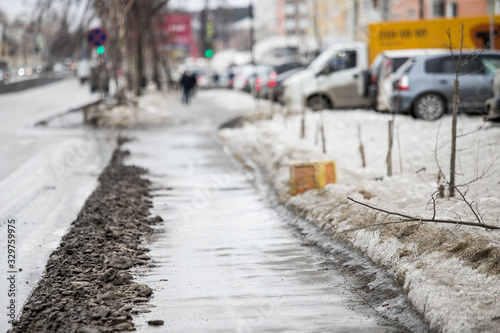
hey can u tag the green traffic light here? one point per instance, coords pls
(100, 50)
(209, 53)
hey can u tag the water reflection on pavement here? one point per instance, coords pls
(223, 260)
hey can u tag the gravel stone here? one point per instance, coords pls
(86, 287)
(155, 322)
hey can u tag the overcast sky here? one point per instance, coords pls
(16, 7)
(199, 4)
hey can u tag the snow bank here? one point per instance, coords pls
(451, 273)
(150, 109)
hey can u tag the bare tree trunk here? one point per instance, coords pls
(156, 56)
(140, 57)
(453, 155)
(120, 19)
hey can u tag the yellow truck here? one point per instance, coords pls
(431, 34)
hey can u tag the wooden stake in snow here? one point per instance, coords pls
(316, 133)
(303, 121)
(322, 130)
(389, 152)
(399, 152)
(361, 148)
(271, 99)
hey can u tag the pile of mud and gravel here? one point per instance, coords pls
(86, 286)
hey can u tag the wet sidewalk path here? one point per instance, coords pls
(223, 261)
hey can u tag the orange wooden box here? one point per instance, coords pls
(311, 175)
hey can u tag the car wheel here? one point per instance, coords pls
(317, 103)
(429, 107)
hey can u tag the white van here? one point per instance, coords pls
(333, 80)
(83, 70)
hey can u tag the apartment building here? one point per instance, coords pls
(326, 21)
(401, 10)
(282, 18)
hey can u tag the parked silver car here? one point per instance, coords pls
(492, 107)
(424, 85)
(382, 71)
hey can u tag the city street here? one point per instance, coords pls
(249, 166)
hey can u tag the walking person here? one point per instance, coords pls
(186, 86)
(194, 78)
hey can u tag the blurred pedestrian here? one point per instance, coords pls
(194, 80)
(215, 79)
(186, 84)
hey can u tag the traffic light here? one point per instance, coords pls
(209, 48)
(209, 53)
(208, 33)
(101, 49)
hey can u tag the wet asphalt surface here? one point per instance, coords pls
(225, 259)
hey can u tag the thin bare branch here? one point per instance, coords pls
(469, 204)
(408, 219)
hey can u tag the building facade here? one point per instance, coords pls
(330, 21)
(326, 21)
(403, 10)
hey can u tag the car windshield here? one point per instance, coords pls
(491, 64)
(405, 68)
(397, 62)
(319, 62)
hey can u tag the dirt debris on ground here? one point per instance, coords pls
(86, 286)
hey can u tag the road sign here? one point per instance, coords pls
(97, 37)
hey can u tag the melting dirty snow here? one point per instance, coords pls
(450, 272)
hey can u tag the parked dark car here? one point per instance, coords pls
(280, 74)
(279, 88)
(424, 85)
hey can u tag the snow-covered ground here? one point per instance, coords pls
(450, 272)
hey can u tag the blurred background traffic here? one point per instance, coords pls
(262, 47)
